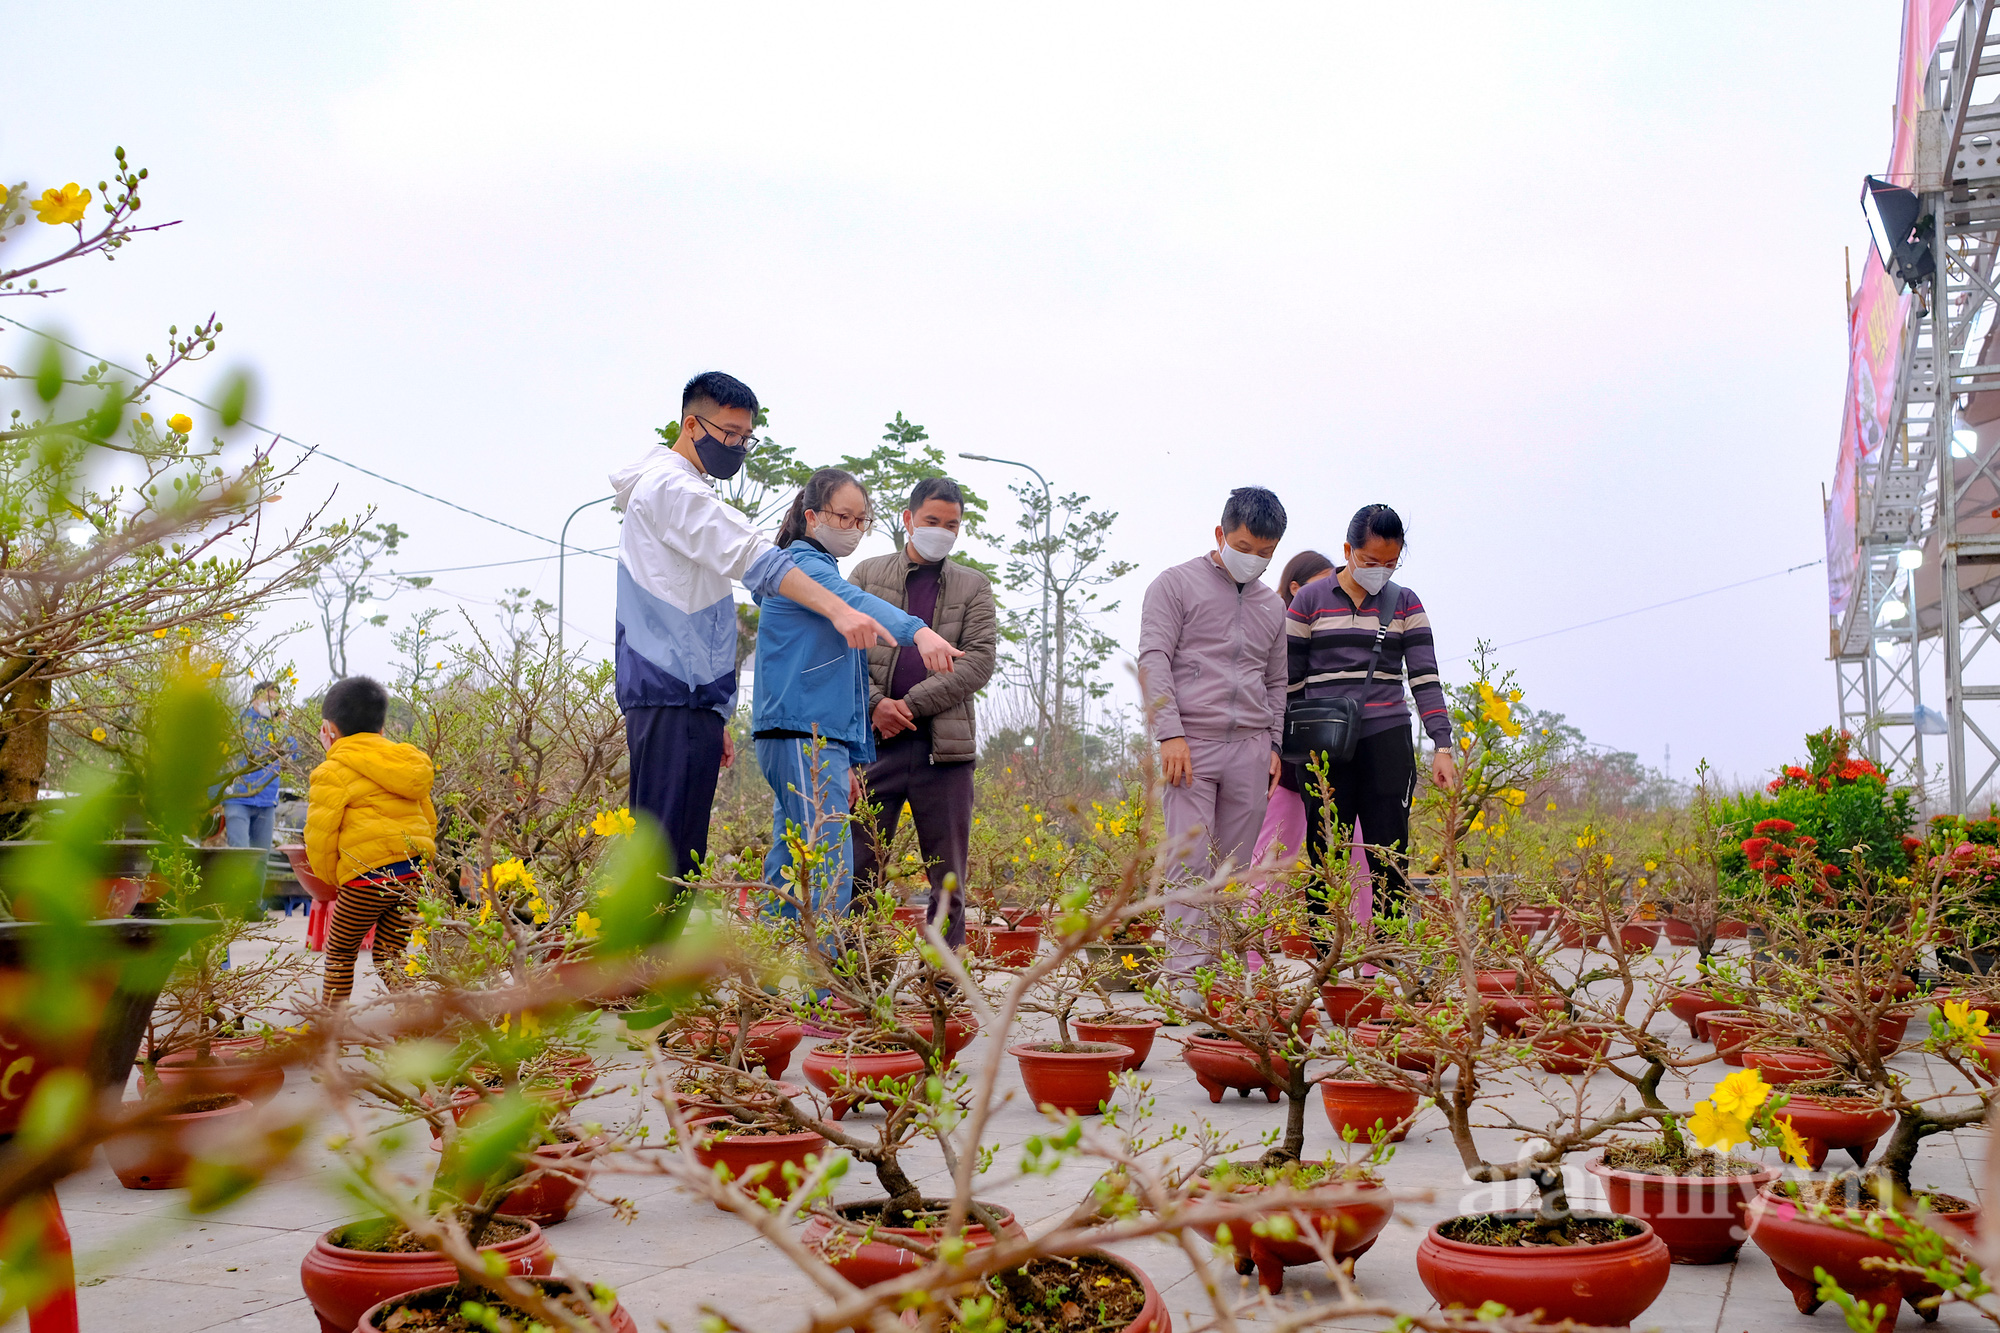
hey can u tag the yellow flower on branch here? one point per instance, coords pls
(1717, 1130)
(1741, 1093)
(180, 423)
(1794, 1145)
(612, 823)
(1513, 796)
(587, 926)
(1478, 822)
(1966, 1023)
(57, 207)
(1131, 963)
(97, 733)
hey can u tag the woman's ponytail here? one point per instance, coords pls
(794, 525)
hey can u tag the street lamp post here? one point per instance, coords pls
(562, 555)
(1048, 537)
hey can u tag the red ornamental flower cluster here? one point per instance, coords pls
(1833, 765)
(1772, 851)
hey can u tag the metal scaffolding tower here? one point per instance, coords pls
(1928, 499)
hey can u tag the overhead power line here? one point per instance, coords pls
(1641, 610)
(314, 450)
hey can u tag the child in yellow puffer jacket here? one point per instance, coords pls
(369, 825)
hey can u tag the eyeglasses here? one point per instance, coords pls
(1392, 566)
(731, 439)
(833, 518)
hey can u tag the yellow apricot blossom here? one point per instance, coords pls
(1717, 1130)
(1741, 1093)
(180, 423)
(612, 823)
(1966, 1023)
(587, 926)
(97, 733)
(57, 207)
(1794, 1146)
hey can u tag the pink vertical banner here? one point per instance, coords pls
(1876, 318)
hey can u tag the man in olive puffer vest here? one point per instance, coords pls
(927, 735)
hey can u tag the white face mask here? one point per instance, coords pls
(932, 544)
(1242, 565)
(1370, 577)
(839, 542)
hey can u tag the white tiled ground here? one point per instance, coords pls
(154, 1267)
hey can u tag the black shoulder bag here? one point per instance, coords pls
(1332, 726)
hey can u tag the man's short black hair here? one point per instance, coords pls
(1257, 509)
(261, 686)
(712, 389)
(936, 488)
(355, 705)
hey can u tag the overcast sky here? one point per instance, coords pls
(1561, 282)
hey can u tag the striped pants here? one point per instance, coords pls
(384, 906)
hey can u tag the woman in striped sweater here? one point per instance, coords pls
(1331, 628)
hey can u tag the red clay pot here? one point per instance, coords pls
(343, 1284)
(1591, 1284)
(1880, 1038)
(697, 1108)
(959, 1030)
(1841, 1122)
(547, 1199)
(1152, 1316)
(1699, 1217)
(1689, 1002)
(1410, 1047)
(158, 1158)
(1575, 933)
(910, 916)
(742, 1153)
(1569, 1048)
(1799, 1242)
(1360, 1105)
(450, 1295)
(1078, 1081)
(1532, 919)
(1730, 1031)
(1504, 1013)
(1676, 931)
(1219, 1063)
(770, 1045)
(1729, 928)
(1639, 934)
(1348, 1003)
(1498, 981)
(1135, 1037)
(1004, 947)
(233, 1069)
(866, 1263)
(836, 1072)
(1298, 946)
(1787, 1064)
(1352, 1227)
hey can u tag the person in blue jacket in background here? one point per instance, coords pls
(250, 802)
(810, 710)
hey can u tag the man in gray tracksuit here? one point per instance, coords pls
(1212, 668)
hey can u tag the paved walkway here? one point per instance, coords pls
(154, 1267)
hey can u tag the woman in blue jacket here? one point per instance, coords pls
(810, 709)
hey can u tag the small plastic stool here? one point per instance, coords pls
(319, 919)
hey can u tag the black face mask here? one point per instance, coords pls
(719, 460)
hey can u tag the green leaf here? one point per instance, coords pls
(638, 905)
(235, 398)
(49, 374)
(491, 1140)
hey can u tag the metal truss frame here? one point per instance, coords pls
(1916, 491)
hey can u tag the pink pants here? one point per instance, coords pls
(1285, 827)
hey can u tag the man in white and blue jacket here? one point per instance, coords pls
(676, 641)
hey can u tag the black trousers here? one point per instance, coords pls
(1374, 788)
(676, 756)
(940, 801)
